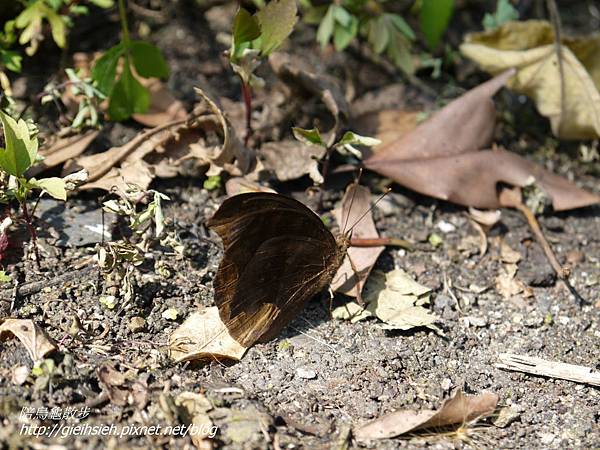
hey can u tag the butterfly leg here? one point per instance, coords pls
(330, 292)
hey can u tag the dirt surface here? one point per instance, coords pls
(306, 388)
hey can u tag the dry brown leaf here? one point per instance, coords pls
(164, 107)
(529, 46)
(122, 390)
(290, 160)
(204, 336)
(473, 114)
(166, 151)
(509, 286)
(508, 255)
(437, 161)
(356, 201)
(62, 150)
(459, 409)
(35, 340)
(240, 185)
(387, 125)
(193, 409)
(296, 73)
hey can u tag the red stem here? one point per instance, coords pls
(247, 94)
(31, 228)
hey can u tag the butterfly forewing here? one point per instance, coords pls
(278, 255)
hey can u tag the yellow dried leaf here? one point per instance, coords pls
(529, 47)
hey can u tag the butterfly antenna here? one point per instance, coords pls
(354, 185)
(370, 209)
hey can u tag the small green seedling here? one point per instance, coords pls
(127, 95)
(505, 12)
(18, 155)
(345, 146)
(255, 37)
(83, 90)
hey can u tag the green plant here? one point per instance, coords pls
(119, 259)
(255, 37)
(83, 90)
(505, 12)
(127, 95)
(18, 155)
(387, 33)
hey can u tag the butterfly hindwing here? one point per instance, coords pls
(278, 254)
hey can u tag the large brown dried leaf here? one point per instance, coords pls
(35, 340)
(457, 410)
(440, 158)
(356, 201)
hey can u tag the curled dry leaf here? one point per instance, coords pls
(459, 409)
(356, 202)
(163, 151)
(62, 150)
(194, 409)
(290, 160)
(204, 336)
(437, 161)
(35, 340)
(570, 101)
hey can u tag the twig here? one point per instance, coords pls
(386, 241)
(552, 369)
(36, 286)
(512, 198)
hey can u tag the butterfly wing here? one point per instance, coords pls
(276, 250)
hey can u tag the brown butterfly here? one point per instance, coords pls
(278, 255)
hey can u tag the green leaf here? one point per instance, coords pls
(356, 139)
(105, 69)
(128, 97)
(103, 3)
(435, 16)
(245, 27)
(312, 136)
(326, 28)
(11, 60)
(54, 186)
(57, 26)
(148, 60)
(212, 183)
(342, 16)
(4, 278)
(21, 149)
(505, 12)
(276, 21)
(401, 25)
(342, 36)
(379, 34)
(399, 52)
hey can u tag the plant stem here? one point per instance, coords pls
(123, 17)
(247, 94)
(386, 241)
(33, 234)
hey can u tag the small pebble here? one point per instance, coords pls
(307, 374)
